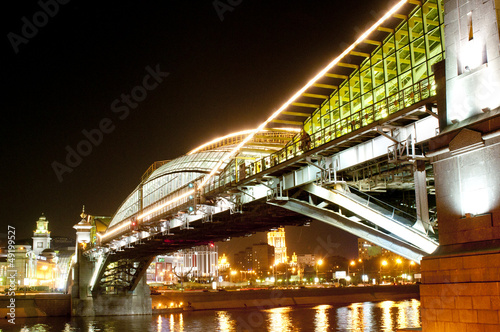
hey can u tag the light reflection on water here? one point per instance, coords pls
(368, 316)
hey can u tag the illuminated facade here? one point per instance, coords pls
(277, 240)
(41, 236)
(367, 250)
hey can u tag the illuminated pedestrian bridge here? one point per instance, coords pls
(342, 150)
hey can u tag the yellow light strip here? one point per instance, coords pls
(145, 214)
(244, 132)
(301, 91)
(117, 229)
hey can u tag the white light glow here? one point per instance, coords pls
(161, 206)
(116, 229)
(244, 132)
(302, 90)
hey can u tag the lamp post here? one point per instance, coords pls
(398, 262)
(384, 263)
(363, 275)
(352, 263)
(409, 269)
(318, 264)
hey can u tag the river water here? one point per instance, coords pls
(367, 316)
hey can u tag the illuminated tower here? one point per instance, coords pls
(41, 236)
(277, 240)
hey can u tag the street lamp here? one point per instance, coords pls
(384, 263)
(398, 262)
(352, 263)
(318, 264)
(409, 269)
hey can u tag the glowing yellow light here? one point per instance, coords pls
(233, 273)
(302, 90)
(320, 262)
(384, 263)
(117, 229)
(45, 267)
(399, 261)
(353, 262)
(161, 206)
(243, 132)
(412, 263)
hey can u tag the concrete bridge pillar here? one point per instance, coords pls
(84, 302)
(460, 288)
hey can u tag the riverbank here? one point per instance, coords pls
(52, 305)
(262, 298)
(39, 305)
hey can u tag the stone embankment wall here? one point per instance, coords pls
(281, 297)
(37, 305)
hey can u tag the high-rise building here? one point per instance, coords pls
(367, 250)
(263, 257)
(277, 240)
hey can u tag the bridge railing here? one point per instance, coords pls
(404, 98)
(382, 207)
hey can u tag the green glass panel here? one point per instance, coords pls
(402, 36)
(404, 61)
(405, 80)
(434, 42)
(392, 87)
(420, 72)
(355, 121)
(344, 94)
(336, 115)
(379, 93)
(356, 105)
(316, 122)
(389, 46)
(355, 86)
(325, 120)
(416, 25)
(367, 115)
(378, 73)
(418, 50)
(366, 80)
(345, 111)
(433, 61)
(367, 99)
(365, 64)
(381, 110)
(430, 15)
(390, 68)
(376, 56)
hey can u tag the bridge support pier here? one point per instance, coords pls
(84, 303)
(460, 288)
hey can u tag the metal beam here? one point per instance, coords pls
(356, 228)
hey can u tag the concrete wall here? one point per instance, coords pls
(283, 297)
(37, 305)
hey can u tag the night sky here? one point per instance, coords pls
(217, 72)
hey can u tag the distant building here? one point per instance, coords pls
(367, 250)
(277, 240)
(306, 259)
(263, 257)
(199, 263)
(41, 236)
(44, 262)
(243, 260)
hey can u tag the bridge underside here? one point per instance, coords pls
(123, 268)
